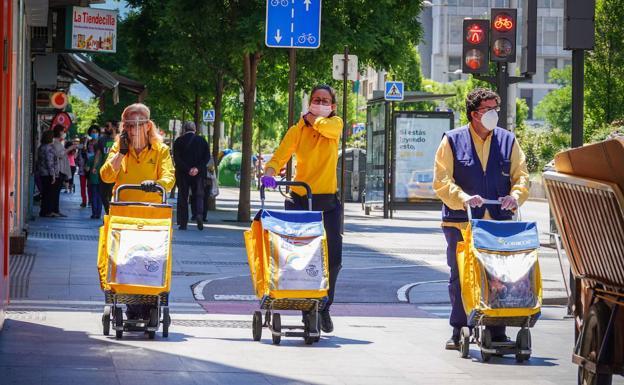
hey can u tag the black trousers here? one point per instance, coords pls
(332, 220)
(56, 194)
(47, 195)
(206, 197)
(106, 193)
(187, 183)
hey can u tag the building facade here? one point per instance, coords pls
(441, 48)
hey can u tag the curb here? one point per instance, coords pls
(559, 301)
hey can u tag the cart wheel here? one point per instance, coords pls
(106, 320)
(277, 327)
(523, 342)
(464, 342)
(318, 328)
(486, 342)
(118, 316)
(154, 318)
(166, 321)
(256, 326)
(594, 329)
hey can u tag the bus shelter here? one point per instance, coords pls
(400, 151)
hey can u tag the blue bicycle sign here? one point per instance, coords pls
(293, 23)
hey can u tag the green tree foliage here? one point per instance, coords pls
(85, 112)
(409, 71)
(556, 107)
(604, 75)
(179, 47)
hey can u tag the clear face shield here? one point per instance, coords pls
(137, 131)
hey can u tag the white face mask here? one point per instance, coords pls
(320, 110)
(489, 120)
(63, 136)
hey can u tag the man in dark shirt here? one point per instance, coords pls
(191, 155)
(104, 144)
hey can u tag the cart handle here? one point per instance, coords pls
(287, 183)
(159, 189)
(491, 202)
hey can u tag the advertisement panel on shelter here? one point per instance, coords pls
(417, 137)
(91, 29)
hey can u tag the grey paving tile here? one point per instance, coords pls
(74, 376)
(20, 375)
(144, 359)
(230, 378)
(151, 377)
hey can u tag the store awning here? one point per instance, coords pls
(97, 79)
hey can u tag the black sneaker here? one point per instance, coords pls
(200, 224)
(327, 326)
(182, 227)
(452, 343)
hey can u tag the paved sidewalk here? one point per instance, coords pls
(53, 334)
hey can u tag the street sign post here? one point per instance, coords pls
(208, 115)
(394, 91)
(338, 67)
(293, 24)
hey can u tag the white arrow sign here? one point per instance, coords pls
(307, 4)
(278, 37)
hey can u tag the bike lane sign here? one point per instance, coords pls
(293, 24)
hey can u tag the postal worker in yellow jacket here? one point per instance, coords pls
(138, 156)
(314, 141)
(473, 163)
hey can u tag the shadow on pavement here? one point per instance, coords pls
(294, 342)
(510, 360)
(36, 354)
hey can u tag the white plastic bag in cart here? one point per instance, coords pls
(300, 262)
(140, 256)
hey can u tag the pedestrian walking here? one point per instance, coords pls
(63, 163)
(48, 173)
(71, 158)
(81, 162)
(138, 156)
(105, 143)
(191, 155)
(473, 163)
(93, 172)
(314, 141)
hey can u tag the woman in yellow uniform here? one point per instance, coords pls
(138, 156)
(314, 141)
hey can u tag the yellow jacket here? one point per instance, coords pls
(453, 196)
(153, 163)
(316, 149)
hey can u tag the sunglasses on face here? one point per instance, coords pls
(322, 101)
(488, 109)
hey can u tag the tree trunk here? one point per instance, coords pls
(250, 67)
(198, 113)
(216, 136)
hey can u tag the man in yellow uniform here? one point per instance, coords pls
(474, 163)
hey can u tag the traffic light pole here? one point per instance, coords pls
(502, 80)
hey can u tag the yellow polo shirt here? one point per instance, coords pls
(453, 196)
(316, 149)
(153, 163)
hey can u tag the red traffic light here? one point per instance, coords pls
(503, 22)
(475, 46)
(475, 34)
(474, 59)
